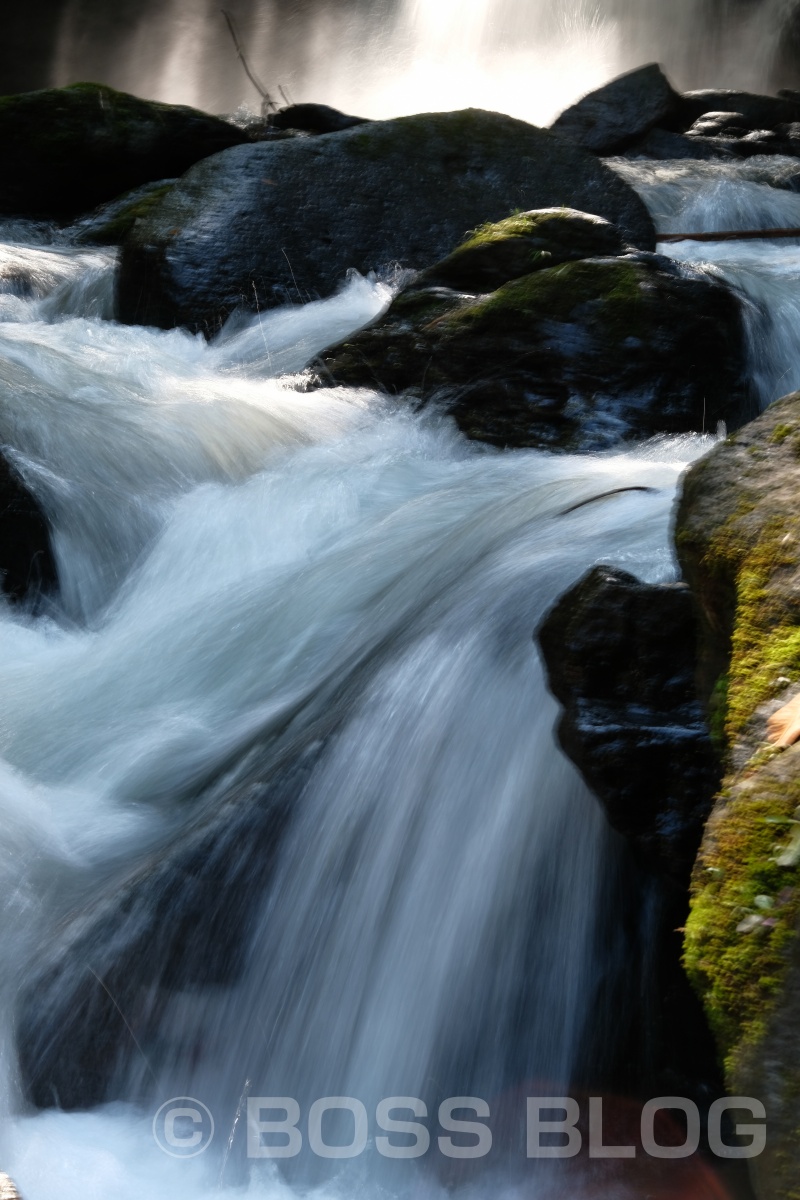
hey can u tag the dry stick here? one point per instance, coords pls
(729, 235)
(267, 102)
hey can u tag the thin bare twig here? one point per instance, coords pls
(267, 103)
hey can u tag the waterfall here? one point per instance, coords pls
(530, 58)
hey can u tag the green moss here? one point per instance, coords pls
(738, 973)
(614, 289)
(115, 229)
(764, 648)
(780, 433)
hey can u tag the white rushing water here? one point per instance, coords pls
(230, 547)
(530, 58)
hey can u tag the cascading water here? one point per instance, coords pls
(248, 565)
(530, 59)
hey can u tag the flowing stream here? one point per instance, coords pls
(240, 559)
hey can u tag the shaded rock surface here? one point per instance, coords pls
(738, 538)
(27, 566)
(67, 150)
(575, 357)
(277, 221)
(620, 656)
(664, 144)
(615, 115)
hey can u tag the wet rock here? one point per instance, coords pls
(266, 223)
(573, 357)
(505, 250)
(738, 538)
(314, 118)
(614, 116)
(66, 150)
(27, 566)
(720, 124)
(758, 112)
(620, 656)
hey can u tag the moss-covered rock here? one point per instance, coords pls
(576, 357)
(111, 223)
(66, 150)
(738, 537)
(279, 221)
(500, 251)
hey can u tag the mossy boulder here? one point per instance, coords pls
(111, 223)
(738, 538)
(66, 150)
(530, 241)
(282, 221)
(574, 357)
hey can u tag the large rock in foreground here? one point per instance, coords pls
(738, 537)
(277, 221)
(66, 150)
(571, 357)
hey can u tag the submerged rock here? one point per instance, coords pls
(66, 150)
(572, 357)
(27, 566)
(662, 144)
(277, 221)
(738, 538)
(612, 117)
(621, 658)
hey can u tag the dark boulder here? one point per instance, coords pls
(66, 150)
(573, 357)
(277, 221)
(615, 115)
(720, 124)
(621, 658)
(27, 566)
(314, 118)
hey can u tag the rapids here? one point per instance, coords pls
(234, 551)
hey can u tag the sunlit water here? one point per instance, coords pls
(232, 549)
(530, 58)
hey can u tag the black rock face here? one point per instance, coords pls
(27, 567)
(621, 658)
(285, 220)
(66, 150)
(614, 116)
(313, 118)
